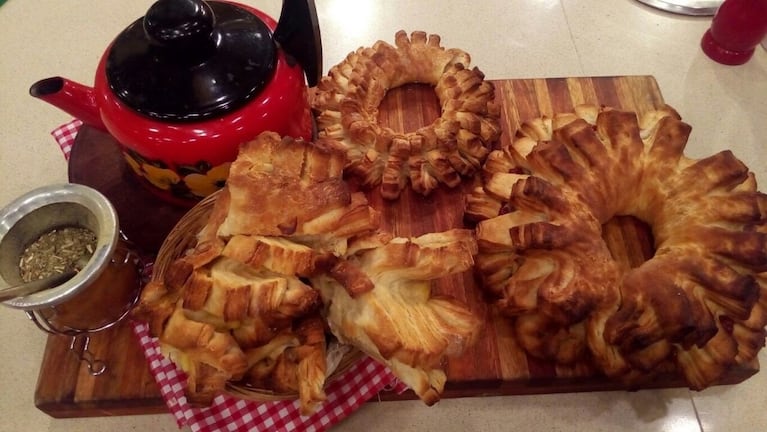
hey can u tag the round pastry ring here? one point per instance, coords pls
(610, 313)
(452, 146)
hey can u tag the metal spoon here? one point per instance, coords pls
(36, 285)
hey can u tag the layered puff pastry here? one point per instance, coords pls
(379, 299)
(243, 305)
(699, 304)
(452, 147)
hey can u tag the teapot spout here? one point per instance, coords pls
(71, 97)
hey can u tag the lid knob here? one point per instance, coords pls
(190, 60)
(179, 23)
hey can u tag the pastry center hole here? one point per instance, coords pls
(629, 239)
(409, 107)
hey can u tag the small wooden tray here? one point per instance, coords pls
(494, 366)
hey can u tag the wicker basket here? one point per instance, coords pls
(182, 238)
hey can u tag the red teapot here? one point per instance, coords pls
(182, 87)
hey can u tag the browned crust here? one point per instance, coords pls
(698, 303)
(237, 306)
(453, 146)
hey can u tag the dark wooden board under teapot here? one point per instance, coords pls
(97, 161)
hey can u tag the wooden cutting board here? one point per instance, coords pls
(494, 366)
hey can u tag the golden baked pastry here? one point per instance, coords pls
(396, 319)
(235, 307)
(223, 315)
(699, 303)
(454, 145)
(283, 187)
(293, 362)
(244, 305)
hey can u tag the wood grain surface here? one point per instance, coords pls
(494, 366)
(65, 388)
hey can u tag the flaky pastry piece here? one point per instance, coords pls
(454, 145)
(277, 183)
(275, 254)
(294, 361)
(229, 292)
(698, 303)
(209, 357)
(235, 307)
(291, 189)
(397, 320)
(206, 319)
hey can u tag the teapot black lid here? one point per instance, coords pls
(189, 60)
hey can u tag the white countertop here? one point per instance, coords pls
(727, 107)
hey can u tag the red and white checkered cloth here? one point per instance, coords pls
(344, 395)
(65, 136)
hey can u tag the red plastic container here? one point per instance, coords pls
(736, 30)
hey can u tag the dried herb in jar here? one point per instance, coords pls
(55, 252)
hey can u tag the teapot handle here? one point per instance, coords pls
(298, 33)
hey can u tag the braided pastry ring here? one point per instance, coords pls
(454, 145)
